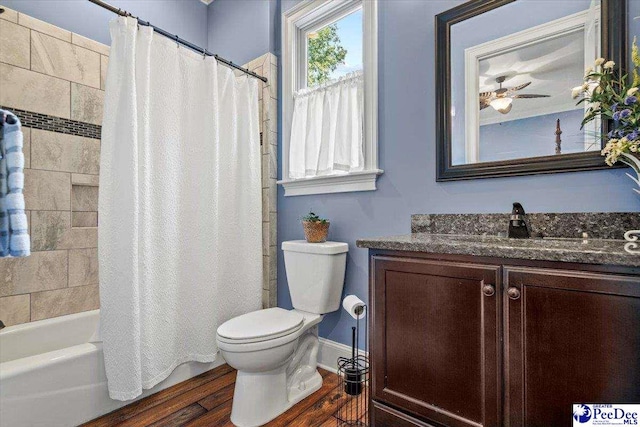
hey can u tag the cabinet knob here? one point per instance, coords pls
(514, 293)
(488, 290)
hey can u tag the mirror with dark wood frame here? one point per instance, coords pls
(505, 70)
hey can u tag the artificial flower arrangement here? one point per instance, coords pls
(611, 96)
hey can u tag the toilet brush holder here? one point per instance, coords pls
(352, 406)
(353, 380)
(352, 369)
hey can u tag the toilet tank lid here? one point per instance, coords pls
(326, 248)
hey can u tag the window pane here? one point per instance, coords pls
(335, 50)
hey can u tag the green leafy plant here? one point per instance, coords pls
(312, 217)
(325, 54)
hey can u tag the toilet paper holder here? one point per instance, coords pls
(353, 373)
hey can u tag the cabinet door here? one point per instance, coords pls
(435, 339)
(571, 337)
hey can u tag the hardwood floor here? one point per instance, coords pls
(205, 400)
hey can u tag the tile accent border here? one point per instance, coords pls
(55, 124)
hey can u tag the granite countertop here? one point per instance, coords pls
(591, 251)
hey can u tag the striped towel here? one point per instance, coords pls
(14, 236)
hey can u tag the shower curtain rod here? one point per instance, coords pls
(177, 39)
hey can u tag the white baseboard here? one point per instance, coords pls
(329, 352)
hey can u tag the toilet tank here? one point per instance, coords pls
(315, 274)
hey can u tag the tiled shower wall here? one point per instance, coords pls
(53, 80)
(266, 65)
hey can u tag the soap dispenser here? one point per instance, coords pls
(518, 228)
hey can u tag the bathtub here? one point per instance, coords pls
(52, 373)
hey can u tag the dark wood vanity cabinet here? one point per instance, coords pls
(570, 337)
(435, 339)
(456, 342)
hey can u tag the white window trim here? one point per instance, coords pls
(295, 22)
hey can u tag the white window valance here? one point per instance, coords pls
(327, 131)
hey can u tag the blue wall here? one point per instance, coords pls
(407, 155)
(242, 30)
(532, 137)
(186, 18)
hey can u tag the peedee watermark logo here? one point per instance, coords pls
(590, 414)
(581, 413)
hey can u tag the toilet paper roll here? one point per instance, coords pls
(354, 306)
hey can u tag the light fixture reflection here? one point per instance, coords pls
(502, 105)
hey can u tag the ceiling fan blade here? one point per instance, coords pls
(519, 87)
(487, 95)
(529, 96)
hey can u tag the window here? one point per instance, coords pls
(325, 44)
(334, 50)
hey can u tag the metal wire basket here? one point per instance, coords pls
(352, 403)
(353, 407)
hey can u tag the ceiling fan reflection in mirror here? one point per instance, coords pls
(502, 98)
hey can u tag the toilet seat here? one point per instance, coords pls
(260, 325)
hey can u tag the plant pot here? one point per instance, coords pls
(315, 231)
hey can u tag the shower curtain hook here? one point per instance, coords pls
(177, 41)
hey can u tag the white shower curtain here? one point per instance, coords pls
(180, 206)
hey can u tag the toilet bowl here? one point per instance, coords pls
(275, 371)
(275, 350)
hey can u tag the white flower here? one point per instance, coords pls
(609, 65)
(599, 61)
(632, 91)
(576, 91)
(585, 86)
(595, 106)
(588, 71)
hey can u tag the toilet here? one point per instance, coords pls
(275, 350)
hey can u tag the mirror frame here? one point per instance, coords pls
(614, 47)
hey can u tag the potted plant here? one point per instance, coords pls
(610, 96)
(315, 228)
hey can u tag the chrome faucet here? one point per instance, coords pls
(518, 228)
